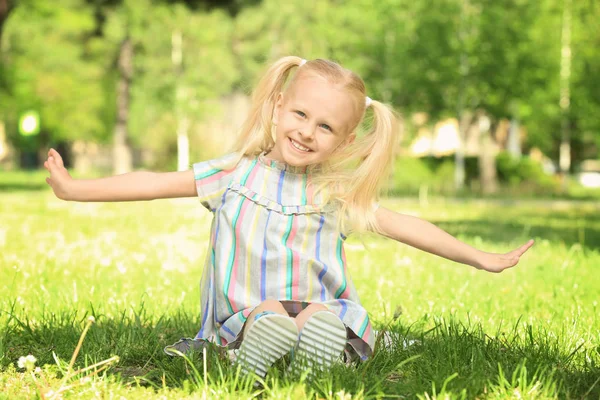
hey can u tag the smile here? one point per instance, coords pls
(299, 147)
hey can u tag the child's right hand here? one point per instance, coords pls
(60, 180)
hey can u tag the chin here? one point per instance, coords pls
(296, 160)
(296, 163)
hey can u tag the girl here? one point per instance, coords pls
(300, 179)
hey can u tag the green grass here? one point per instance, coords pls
(530, 332)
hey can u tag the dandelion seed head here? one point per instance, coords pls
(27, 362)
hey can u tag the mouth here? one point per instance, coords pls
(299, 146)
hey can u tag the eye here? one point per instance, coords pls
(300, 113)
(327, 127)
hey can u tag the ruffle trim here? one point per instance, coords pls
(279, 208)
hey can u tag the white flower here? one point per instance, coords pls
(27, 362)
(91, 319)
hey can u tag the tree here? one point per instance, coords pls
(50, 71)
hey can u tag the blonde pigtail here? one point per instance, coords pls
(380, 146)
(255, 136)
(369, 159)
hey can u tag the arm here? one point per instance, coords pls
(141, 185)
(427, 237)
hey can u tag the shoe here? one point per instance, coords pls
(270, 337)
(322, 341)
(185, 347)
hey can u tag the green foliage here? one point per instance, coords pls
(436, 174)
(52, 71)
(525, 174)
(443, 58)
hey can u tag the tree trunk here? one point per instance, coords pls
(565, 94)
(463, 68)
(183, 122)
(6, 7)
(487, 158)
(123, 160)
(514, 138)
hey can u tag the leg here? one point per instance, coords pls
(267, 338)
(267, 305)
(307, 313)
(322, 339)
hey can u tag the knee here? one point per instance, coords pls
(314, 307)
(270, 304)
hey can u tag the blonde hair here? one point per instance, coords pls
(354, 174)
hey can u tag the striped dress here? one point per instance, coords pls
(271, 239)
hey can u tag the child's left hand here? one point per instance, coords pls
(499, 262)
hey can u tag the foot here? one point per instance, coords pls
(322, 340)
(270, 337)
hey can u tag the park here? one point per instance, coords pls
(500, 144)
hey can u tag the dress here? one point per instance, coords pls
(271, 238)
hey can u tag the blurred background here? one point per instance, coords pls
(499, 98)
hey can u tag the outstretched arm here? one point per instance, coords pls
(133, 186)
(427, 237)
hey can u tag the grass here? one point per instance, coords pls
(530, 332)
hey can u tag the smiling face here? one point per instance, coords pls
(313, 119)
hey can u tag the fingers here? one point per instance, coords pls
(524, 247)
(58, 159)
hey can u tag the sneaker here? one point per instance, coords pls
(270, 337)
(322, 341)
(185, 347)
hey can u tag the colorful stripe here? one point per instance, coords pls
(233, 264)
(263, 262)
(341, 259)
(249, 252)
(289, 264)
(293, 260)
(309, 262)
(231, 257)
(213, 264)
(344, 308)
(228, 331)
(303, 188)
(205, 174)
(280, 186)
(236, 251)
(363, 327)
(318, 257)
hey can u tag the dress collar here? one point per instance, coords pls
(280, 165)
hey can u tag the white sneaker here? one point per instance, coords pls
(322, 340)
(270, 337)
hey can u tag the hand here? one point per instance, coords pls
(59, 179)
(499, 262)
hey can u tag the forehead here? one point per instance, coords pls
(322, 99)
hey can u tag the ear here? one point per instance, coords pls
(347, 141)
(351, 138)
(277, 108)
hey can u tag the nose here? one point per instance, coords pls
(307, 131)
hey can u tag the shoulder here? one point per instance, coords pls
(227, 162)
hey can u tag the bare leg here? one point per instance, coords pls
(267, 305)
(307, 313)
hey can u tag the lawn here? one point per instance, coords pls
(530, 332)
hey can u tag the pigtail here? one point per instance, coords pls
(357, 173)
(255, 136)
(378, 148)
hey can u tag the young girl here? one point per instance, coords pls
(300, 179)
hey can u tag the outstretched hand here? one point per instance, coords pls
(499, 262)
(59, 178)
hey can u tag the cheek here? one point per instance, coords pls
(332, 143)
